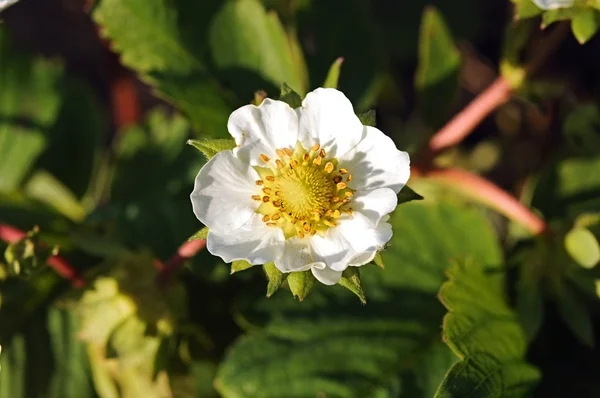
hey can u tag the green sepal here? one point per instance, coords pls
(200, 235)
(274, 276)
(526, 9)
(300, 283)
(368, 118)
(378, 260)
(406, 194)
(27, 255)
(240, 265)
(585, 24)
(210, 147)
(583, 247)
(351, 280)
(333, 76)
(290, 97)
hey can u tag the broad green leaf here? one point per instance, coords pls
(201, 234)
(585, 24)
(45, 188)
(332, 344)
(257, 47)
(576, 316)
(29, 104)
(486, 335)
(436, 78)
(333, 76)
(46, 360)
(583, 247)
(290, 97)
(152, 40)
(211, 147)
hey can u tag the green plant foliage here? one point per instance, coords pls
(331, 343)
(439, 61)
(486, 335)
(210, 147)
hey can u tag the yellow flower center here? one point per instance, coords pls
(302, 191)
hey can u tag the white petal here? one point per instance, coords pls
(382, 234)
(553, 4)
(327, 118)
(262, 129)
(326, 275)
(253, 242)
(352, 238)
(222, 196)
(376, 163)
(375, 204)
(297, 256)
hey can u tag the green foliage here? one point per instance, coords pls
(351, 281)
(201, 234)
(300, 283)
(210, 147)
(436, 77)
(332, 344)
(486, 335)
(333, 77)
(275, 278)
(290, 97)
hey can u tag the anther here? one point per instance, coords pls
(322, 153)
(256, 197)
(337, 179)
(328, 213)
(328, 223)
(306, 157)
(314, 231)
(349, 178)
(315, 147)
(287, 151)
(266, 218)
(293, 163)
(349, 211)
(275, 217)
(335, 199)
(318, 160)
(328, 167)
(341, 185)
(276, 203)
(280, 153)
(349, 193)
(306, 227)
(301, 233)
(267, 190)
(336, 214)
(266, 199)
(343, 171)
(347, 200)
(270, 178)
(271, 224)
(264, 157)
(279, 163)
(294, 220)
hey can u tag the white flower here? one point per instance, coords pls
(309, 188)
(553, 4)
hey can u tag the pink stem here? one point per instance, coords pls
(185, 251)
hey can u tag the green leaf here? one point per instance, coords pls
(333, 76)
(275, 278)
(406, 195)
(45, 188)
(331, 344)
(290, 97)
(240, 265)
(351, 281)
(301, 283)
(155, 39)
(30, 99)
(576, 317)
(46, 360)
(211, 147)
(486, 335)
(530, 306)
(583, 247)
(202, 234)
(436, 78)
(585, 24)
(257, 47)
(368, 118)
(581, 130)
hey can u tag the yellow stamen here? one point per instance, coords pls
(271, 224)
(341, 185)
(349, 193)
(265, 199)
(267, 190)
(328, 167)
(318, 160)
(349, 178)
(276, 217)
(264, 157)
(279, 164)
(322, 153)
(287, 151)
(337, 179)
(259, 182)
(301, 233)
(270, 178)
(336, 214)
(266, 218)
(279, 153)
(256, 197)
(343, 171)
(315, 147)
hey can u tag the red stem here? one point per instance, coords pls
(187, 250)
(466, 120)
(484, 191)
(58, 263)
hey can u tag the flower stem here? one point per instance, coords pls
(486, 192)
(187, 250)
(58, 263)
